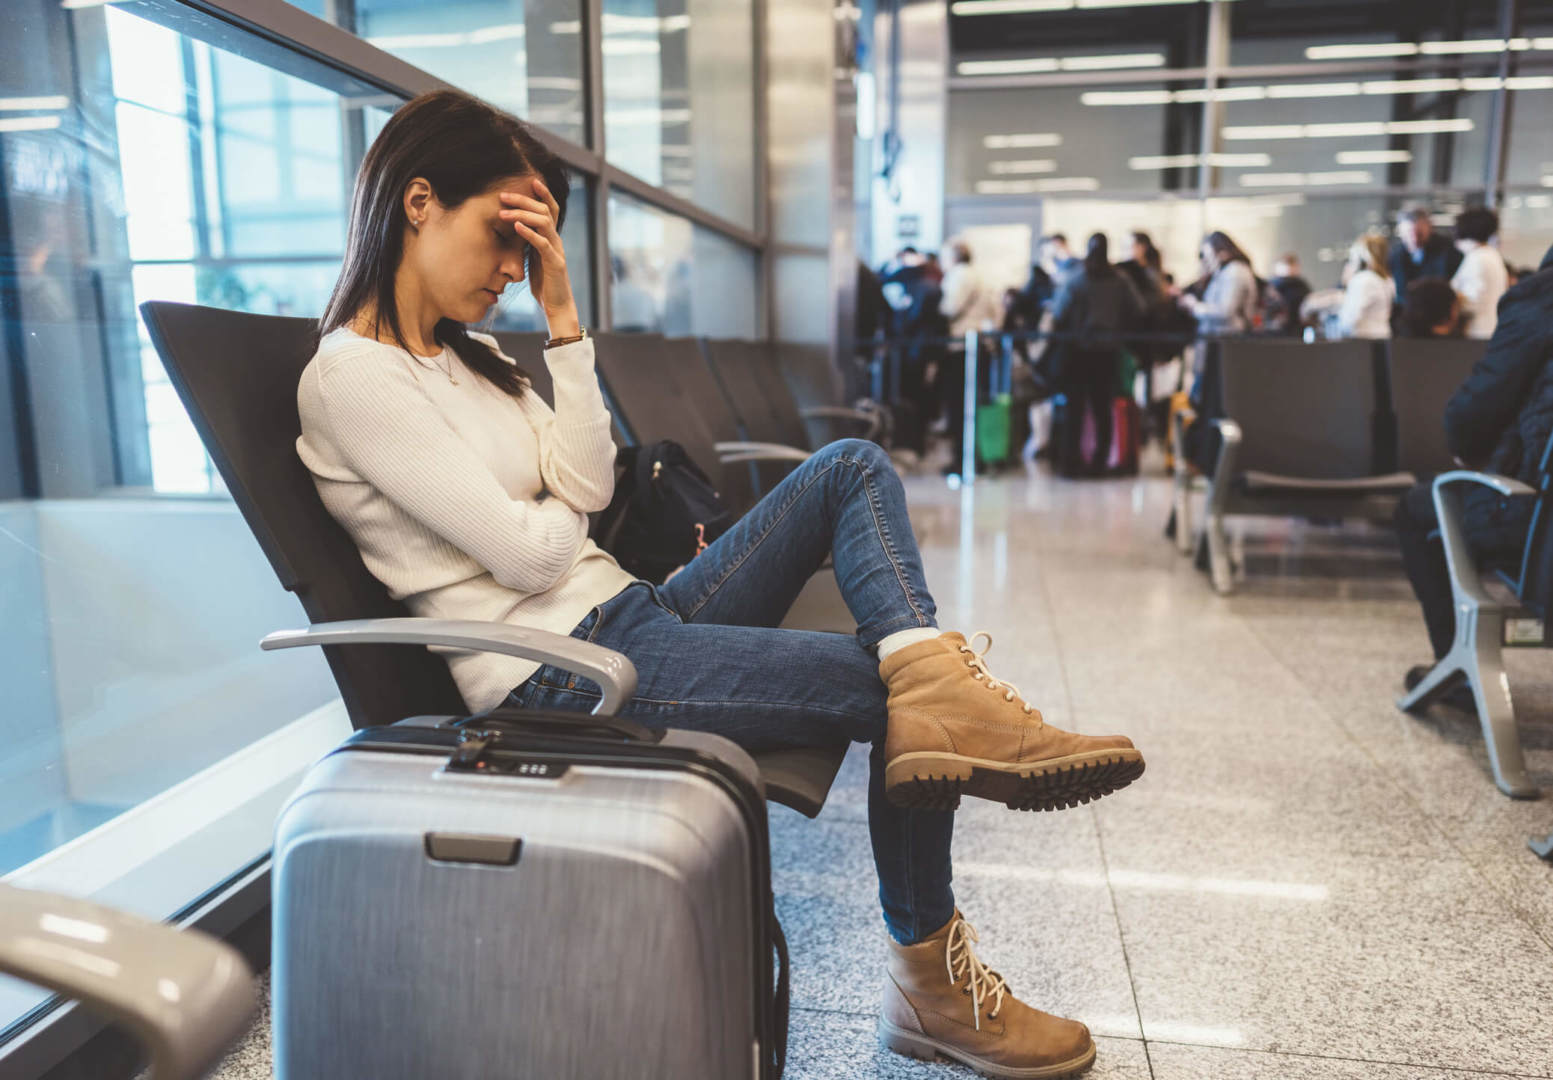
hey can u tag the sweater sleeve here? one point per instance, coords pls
(389, 433)
(576, 452)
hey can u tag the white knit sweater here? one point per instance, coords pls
(466, 503)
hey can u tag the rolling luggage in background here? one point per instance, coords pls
(527, 894)
(1126, 422)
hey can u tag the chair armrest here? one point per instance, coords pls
(1466, 579)
(186, 996)
(1230, 437)
(614, 673)
(1505, 485)
(871, 417)
(759, 451)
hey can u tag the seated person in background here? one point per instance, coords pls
(1284, 296)
(1482, 278)
(1431, 309)
(1498, 421)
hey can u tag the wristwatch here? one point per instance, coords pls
(557, 342)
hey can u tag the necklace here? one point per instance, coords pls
(448, 371)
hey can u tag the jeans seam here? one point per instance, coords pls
(882, 529)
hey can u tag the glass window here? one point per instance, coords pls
(147, 742)
(679, 105)
(672, 277)
(1341, 31)
(1061, 140)
(522, 55)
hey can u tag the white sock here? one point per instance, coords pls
(901, 638)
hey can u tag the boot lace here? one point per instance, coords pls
(978, 663)
(982, 983)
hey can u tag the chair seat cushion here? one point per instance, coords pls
(1264, 483)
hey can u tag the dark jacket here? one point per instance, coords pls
(1440, 260)
(1096, 311)
(1281, 304)
(1502, 416)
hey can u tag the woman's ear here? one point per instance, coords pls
(418, 199)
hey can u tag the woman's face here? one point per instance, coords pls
(464, 257)
(1210, 258)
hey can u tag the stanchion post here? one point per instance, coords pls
(968, 451)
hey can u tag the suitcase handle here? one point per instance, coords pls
(506, 718)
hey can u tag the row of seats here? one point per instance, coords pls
(237, 375)
(1336, 430)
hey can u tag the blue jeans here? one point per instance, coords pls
(709, 657)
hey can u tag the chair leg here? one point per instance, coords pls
(1496, 711)
(1543, 845)
(1435, 683)
(1219, 569)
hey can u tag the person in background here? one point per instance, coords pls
(1368, 292)
(1499, 420)
(969, 304)
(917, 322)
(1481, 279)
(1143, 268)
(1431, 308)
(1229, 303)
(1092, 314)
(1285, 294)
(1420, 252)
(1058, 258)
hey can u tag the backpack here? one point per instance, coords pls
(664, 511)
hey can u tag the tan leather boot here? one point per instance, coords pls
(941, 1001)
(955, 730)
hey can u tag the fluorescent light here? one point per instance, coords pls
(1040, 165)
(1539, 202)
(1313, 90)
(1030, 187)
(630, 47)
(1373, 157)
(1428, 127)
(1222, 93)
(1006, 67)
(1266, 131)
(29, 123)
(1349, 130)
(1022, 141)
(76, 5)
(1108, 63)
(1007, 7)
(1126, 97)
(1164, 161)
(1529, 82)
(1478, 45)
(1361, 52)
(57, 101)
(1179, 161)
(1317, 179)
(1035, 64)
(1412, 86)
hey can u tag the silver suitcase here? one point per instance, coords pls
(526, 895)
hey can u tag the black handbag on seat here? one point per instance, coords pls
(664, 512)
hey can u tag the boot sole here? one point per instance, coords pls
(928, 780)
(923, 1048)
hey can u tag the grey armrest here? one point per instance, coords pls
(185, 995)
(871, 417)
(615, 674)
(759, 451)
(1465, 578)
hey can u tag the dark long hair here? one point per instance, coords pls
(1097, 260)
(1227, 250)
(460, 146)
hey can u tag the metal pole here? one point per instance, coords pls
(1499, 124)
(968, 450)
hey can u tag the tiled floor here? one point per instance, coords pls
(1306, 884)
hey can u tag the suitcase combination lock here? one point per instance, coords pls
(472, 755)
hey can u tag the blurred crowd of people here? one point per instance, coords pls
(1103, 324)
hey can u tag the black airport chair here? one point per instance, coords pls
(1423, 374)
(237, 375)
